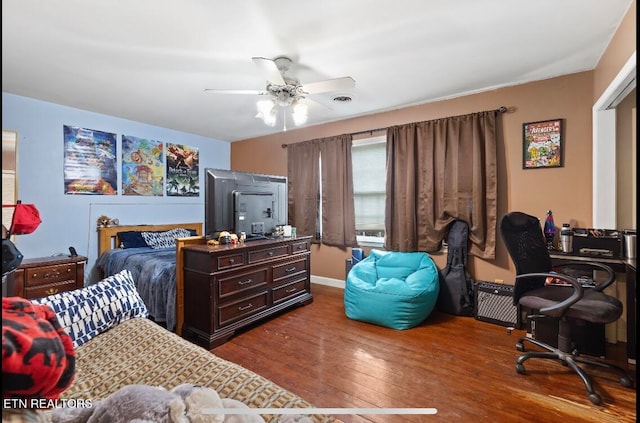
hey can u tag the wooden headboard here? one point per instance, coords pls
(108, 236)
(108, 239)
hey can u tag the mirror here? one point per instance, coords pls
(9, 174)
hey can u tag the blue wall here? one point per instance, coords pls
(70, 220)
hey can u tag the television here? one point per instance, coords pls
(244, 202)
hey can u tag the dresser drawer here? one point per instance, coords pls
(236, 310)
(50, 274)
(268, 253)
(300, 247)
(229, 261)
(49, 289)
(289, 290)
(232, 285)
(288, 269)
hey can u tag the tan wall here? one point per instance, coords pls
(566, 190)
(626, 164)
(622, 45)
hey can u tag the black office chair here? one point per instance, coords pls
(527, 247)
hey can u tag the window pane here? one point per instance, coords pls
(369, 178)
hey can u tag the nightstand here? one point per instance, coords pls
(42, 276)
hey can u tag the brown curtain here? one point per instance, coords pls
(338, 214)
(303, 167)
(303, 173)
(439, 171)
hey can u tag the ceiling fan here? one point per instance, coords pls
(286, 91)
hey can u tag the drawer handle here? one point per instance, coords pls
(54, 274)
(248, 281)
(290, 290)
(51, 291)
(247, 307)
(300, 247)
(270, 253)
(231, 261)
(291, 269)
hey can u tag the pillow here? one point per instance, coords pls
(131, 239)
(87, 312)
(165, 239)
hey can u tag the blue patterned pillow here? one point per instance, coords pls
(165, 239)
(85, 313)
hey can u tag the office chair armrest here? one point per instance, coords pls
(611, 275)
(573, 298)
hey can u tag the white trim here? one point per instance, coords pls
(604, 151)
(321, 280)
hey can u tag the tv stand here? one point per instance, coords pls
(228, 287)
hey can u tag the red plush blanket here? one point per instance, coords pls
(38, 359)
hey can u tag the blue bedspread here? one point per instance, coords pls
(154, 272)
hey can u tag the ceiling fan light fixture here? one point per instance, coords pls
(300, 113)
(266, 112)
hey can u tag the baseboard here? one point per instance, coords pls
(321, 280)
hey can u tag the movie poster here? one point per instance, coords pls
(89, 162)
(142, 166)
(182, 171)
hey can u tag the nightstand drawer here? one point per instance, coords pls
(50, 289)
(50, 274)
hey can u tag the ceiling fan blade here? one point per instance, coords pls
(254, 92)
(270, 70)
(337, 84)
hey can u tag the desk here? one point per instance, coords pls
(619, 265)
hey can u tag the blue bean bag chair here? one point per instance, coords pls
(394, 289)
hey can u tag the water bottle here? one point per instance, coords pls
(566, 238)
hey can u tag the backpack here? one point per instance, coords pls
(456, 284)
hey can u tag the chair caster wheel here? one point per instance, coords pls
(595, 398)
(520, 346)
(520, 368)
(626, 382)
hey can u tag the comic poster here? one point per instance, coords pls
(182, 171)
(542, 144)
(142, 166)
(89, 162)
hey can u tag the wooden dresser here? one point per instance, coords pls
(227, 287)
(39, 277)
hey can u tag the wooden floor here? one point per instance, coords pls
(462, 367)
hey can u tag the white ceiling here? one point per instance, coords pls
(150, 60)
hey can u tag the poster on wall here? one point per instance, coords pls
(142, 166)
(182, 171)
(542, 144)
(89, 161)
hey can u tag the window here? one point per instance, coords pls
(369, 159)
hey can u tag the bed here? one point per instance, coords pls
(116, 345)
(154, 270)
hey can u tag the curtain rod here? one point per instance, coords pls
(501, 109)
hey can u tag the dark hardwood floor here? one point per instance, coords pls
(460, 366)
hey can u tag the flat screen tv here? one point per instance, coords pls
(244, 202)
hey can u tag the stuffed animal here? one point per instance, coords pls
(148, 404)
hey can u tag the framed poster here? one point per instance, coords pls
(182, 168)
(142, 166)
(89, 161)
(542, 144)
